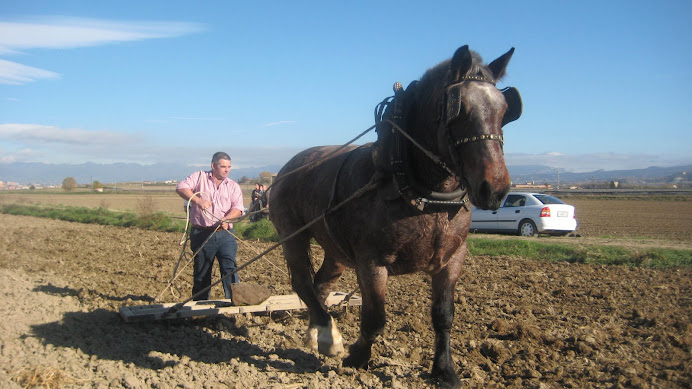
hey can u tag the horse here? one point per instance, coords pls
(401, 204)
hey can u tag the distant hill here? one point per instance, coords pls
(544, 174)
(53, 174)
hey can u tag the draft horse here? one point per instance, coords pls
(439, 145)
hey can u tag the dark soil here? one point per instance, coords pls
(519, 323)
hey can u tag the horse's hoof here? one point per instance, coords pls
(329, 340)
(331, 350)
(356, 361)
(326, 340)
(311, 339)
(447, 380)
(358, 355)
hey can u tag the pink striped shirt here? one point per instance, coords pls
(224, 198)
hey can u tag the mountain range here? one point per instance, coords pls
(26, 173)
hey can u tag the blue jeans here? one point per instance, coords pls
(221, 246)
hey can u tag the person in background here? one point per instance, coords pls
(215, 198)
(263, 197)
(255, 194)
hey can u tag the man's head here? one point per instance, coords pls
(220, 165)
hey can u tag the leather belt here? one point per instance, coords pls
(206, 228)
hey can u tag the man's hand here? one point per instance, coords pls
(204, 204)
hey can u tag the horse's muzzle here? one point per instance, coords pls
(487, 196)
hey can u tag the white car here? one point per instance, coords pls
(527, 214)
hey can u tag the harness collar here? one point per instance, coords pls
(391, 111)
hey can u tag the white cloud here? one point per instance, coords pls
(52, 144)
(196, 118)
(12, 73)
(279, 123)
(18, 156)
(65, 33)
(29, 134)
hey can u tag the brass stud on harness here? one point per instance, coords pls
(479, 138)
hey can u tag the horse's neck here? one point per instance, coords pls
(430, 175)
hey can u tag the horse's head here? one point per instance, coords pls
(474, 113)
(454, 116)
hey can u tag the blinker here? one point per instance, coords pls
(511, 94)
(514, 105)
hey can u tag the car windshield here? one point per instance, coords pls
(545, 199)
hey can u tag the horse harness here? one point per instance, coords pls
(412, 192)
(407, 187)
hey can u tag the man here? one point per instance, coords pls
(255, 205)
(263, 196)
(219, 199)
(256, 193)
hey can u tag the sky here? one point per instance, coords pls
(605, 84)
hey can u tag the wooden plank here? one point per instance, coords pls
(220, 307)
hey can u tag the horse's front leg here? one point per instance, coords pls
(323, 335)
(373, 286)
(443, 283)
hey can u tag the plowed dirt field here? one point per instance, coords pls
(519, 323)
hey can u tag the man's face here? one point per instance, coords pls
(221, 169)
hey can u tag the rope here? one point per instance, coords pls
(379, 110)
(321, 159)
(184, 254)
(368, 187)
(430, 155)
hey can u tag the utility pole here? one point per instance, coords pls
(557, 169)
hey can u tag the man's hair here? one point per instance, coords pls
(219, 155)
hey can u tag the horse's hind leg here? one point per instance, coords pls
(329, 272)
(323, 335)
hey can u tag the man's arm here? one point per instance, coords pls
(189, 195)
(234, 213)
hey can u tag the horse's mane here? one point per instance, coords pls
(436, 79)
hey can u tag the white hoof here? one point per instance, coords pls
(326, 340)
(311, 339)
(329, 340)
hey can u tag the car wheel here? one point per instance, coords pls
(527, 228)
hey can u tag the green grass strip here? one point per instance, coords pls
(263, 230)
(596, 254)
(155, 221)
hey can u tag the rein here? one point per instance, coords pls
(408, 189)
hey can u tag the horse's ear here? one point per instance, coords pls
(461, 62)
(498, 66)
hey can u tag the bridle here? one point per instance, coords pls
(410, 190)
(453, 107)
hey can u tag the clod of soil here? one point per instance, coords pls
(518, 323)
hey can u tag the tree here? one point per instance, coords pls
(69, 184)
(96, 185)
(265, 177)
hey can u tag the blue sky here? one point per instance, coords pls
(606, 85)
